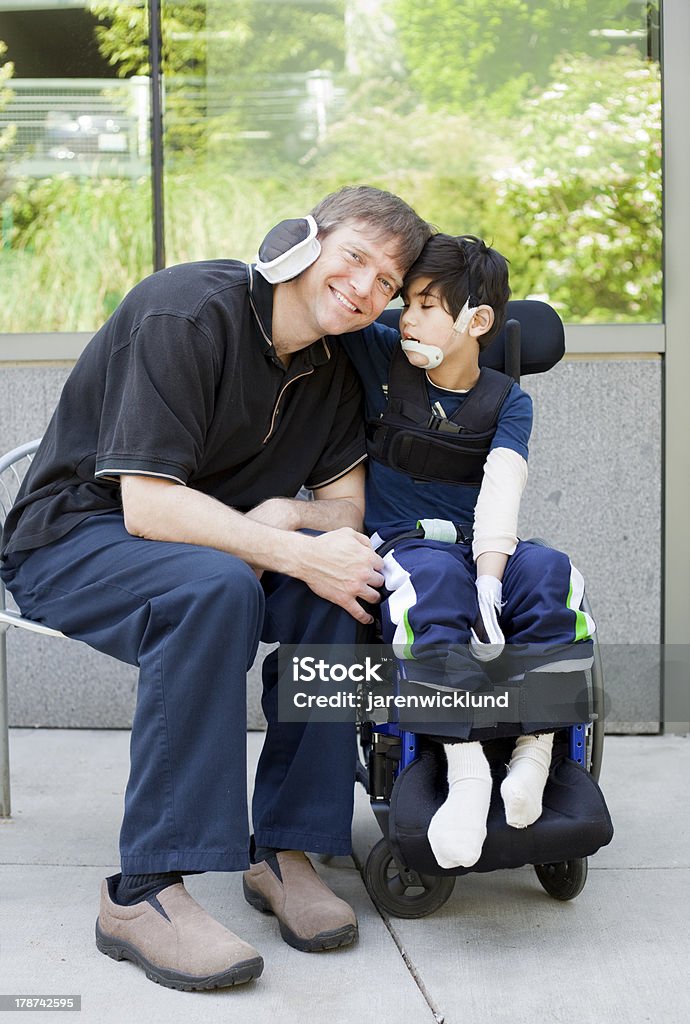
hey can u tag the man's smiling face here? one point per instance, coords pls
(351, 282)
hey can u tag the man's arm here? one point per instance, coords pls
(337, 504)
(340, 566)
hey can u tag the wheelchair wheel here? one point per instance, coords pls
(401, 892)
(564, 880)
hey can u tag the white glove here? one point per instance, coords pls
(487, 640)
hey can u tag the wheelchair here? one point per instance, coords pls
(404, 771)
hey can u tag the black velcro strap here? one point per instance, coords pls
(411, 451)
(479, 411)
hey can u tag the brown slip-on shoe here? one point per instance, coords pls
(184, 948)
(310, 916)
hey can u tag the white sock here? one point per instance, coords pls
(523, 787)
(458, 829)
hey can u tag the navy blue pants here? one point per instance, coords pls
(432, 606)
(191, 618)
(433, 597)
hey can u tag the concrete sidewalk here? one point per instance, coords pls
(499, 950)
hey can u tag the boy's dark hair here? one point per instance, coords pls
(388, 215)
(460, 266)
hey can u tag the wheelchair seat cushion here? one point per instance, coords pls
(575, 821)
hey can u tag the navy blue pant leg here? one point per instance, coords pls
(549, 636)
(431, 609)
(428, 617)
(190, 618)
(542, 594)
(304, 790)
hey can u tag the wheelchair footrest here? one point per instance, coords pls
(575, 821)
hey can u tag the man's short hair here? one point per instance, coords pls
(460, 266)
(389, 216)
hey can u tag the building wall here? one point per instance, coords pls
(594, 490)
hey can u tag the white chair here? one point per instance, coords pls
(13, 467)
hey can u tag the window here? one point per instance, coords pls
(534, 124)
(74, 170)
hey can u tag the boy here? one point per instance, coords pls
(451, 442)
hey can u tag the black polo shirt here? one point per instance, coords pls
(183, 382)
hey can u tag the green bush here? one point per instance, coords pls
(585, 190)
(77, 248)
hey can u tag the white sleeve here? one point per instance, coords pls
(498, 504)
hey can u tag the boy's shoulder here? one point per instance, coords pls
(514, 425)
(371, 351)
(518, 399)
(376, 337)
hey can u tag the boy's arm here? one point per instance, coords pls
(495, 539)
(492, 563)
(505, 475)
(370, 351)
(497, 509)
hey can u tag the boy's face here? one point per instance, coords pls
(425, 319)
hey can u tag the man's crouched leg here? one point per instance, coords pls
(310, 917)
(174, 940)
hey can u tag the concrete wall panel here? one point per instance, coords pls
(594, 491)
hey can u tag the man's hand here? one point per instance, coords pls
(341, 567)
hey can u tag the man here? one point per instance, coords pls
(157, 524)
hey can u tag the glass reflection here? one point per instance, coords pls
(536, 125)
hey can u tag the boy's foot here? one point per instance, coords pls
(174, 940)
(458, 828)
(310, 917)
(523, 787)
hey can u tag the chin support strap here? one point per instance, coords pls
(288, 249)
(432, 353)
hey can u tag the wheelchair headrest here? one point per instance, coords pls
(541, 334)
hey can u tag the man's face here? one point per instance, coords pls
(352, 281)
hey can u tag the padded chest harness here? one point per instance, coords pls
(410, 438)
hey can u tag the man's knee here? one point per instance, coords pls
(220, 579)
